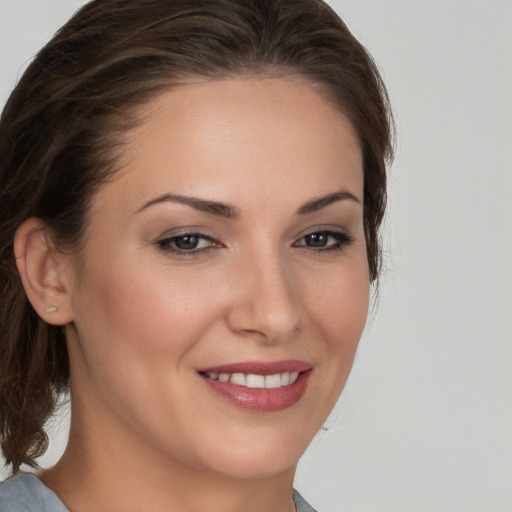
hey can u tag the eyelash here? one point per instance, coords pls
(169, 243)
(342, 239)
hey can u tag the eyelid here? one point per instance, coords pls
(166, 242)
(342, 236)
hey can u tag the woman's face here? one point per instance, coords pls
(223, 285)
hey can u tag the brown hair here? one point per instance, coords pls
(62, 128)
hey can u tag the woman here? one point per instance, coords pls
(191, 193)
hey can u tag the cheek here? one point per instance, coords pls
(136, 319)
(151, 310)
(340, 308)
(138, 336)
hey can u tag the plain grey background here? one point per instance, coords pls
(425, 424)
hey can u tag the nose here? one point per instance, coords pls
(266, 302)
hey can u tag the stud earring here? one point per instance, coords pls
(52, 309)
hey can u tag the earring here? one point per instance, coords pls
(52, 309)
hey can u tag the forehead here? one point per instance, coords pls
(223, 139)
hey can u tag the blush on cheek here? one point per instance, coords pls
(343, 313)
(152, 314)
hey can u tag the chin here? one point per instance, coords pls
(263, 454)
(257, 466)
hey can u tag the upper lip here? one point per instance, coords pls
(260, 367)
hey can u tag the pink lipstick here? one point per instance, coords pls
(260, 386)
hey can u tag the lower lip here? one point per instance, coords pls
(261, 399)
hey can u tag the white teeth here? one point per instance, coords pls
(238, 378)
(255, 381)
(273, 381)
(252, 380)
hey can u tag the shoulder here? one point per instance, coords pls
(301, 504)
(26, 493)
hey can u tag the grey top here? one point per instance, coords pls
(26, 493)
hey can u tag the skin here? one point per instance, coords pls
(146, 432)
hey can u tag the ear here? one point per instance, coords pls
(44, 271)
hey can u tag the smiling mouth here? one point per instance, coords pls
(260, 386)
(255, 381)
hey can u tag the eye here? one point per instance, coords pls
(187, 243)
(325, 240)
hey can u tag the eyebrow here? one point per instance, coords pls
(230, 212)
(322, 202)
(203, 205)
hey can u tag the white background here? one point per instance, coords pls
(425, 424)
